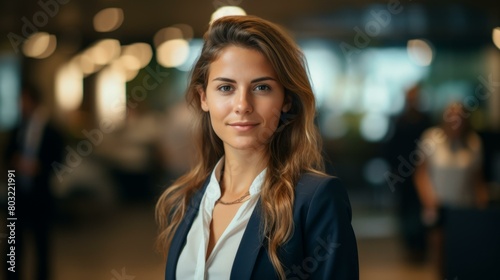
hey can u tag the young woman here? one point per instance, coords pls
(256, 204)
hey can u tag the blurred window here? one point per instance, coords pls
(10, 83)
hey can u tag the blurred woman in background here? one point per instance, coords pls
(450, 176)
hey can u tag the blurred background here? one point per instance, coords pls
(92, 119)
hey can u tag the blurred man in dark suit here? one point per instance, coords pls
(408, 128)
(34, 145)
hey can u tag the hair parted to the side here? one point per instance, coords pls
(294, 148)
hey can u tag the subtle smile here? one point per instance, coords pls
(243, 126)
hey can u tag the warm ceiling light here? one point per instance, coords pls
(130, 74)
(121, 66)
(69, 86)
(167, 33)
(227, 11)
(496, 36)
(111, 95)
(104, 51)
(129, 62)
(86, 64)
(420, 52)
(40, 45)
(108, 19)
(172, 53)
(186, 29)
(137, 55)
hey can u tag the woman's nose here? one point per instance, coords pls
(243, 102)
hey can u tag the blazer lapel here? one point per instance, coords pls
(179, 239)
(249, 248)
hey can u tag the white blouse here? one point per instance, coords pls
(191, 264)
(452, 172)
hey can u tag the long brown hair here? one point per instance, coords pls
(294, 148)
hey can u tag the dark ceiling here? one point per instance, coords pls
(455, 23)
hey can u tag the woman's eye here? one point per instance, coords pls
(262, 88)
(224, 88)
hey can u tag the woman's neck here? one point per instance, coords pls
(240, 169)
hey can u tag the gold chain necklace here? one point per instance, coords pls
(239, 200)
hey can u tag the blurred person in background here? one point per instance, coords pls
(408, 127)
(450, 175)
(257, 202)
(32, 149)
(131, 149)
(174, 144)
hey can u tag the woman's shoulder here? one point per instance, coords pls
(474, 141)
(322, 196)
(435, 133)
(311, 180)
(318, 186)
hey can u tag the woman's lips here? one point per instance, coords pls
(243, 126)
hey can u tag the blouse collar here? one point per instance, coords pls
(213, 189)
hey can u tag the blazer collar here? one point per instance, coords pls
(179, 239)
(249, 248)
(247, 253)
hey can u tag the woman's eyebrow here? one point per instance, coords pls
(263, 79)
(253, 81)
(222, 79)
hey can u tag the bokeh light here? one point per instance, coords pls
(40, 45)
(496, 36)
(69, 86)
(108, 19)
(420, 52)
(172, 53)
(374, 127)
(227, 11)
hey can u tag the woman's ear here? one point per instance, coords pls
(203, 99)
(287, 104)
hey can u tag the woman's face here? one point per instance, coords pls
(456, 121)
(244, 98)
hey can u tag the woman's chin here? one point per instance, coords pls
(250, 145)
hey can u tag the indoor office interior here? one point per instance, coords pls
(407, 92)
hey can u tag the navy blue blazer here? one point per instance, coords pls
(323, 245)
